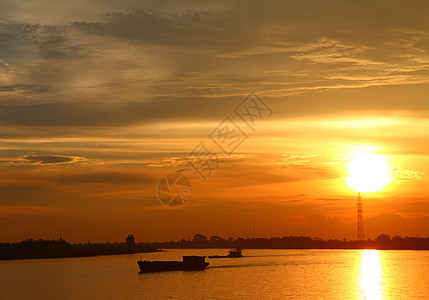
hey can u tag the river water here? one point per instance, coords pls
(262, 274)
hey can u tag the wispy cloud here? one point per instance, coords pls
(408, 174)
(3, 62)
(216, 50)
(51, 159)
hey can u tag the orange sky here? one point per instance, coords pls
(99, 100)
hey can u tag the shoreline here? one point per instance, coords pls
(76, 255)
(298, 248)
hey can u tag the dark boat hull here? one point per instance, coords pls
(235, 255)
(163, 266)
(231, 254)
(225, 256)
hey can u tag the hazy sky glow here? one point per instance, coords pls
(99, 99)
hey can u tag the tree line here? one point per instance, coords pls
(383, 241)
(30, 249)
(60, 248)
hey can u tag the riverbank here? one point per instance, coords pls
(37, 249)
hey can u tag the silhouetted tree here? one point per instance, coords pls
(383, 238)
(200, 240)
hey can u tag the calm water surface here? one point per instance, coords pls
(262, 274)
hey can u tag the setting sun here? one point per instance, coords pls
(368, 172)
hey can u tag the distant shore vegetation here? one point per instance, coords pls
(29, 249)
(383, 241)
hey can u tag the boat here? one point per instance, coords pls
(233, 253)
(189, 263)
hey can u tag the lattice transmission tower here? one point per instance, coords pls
(361, 229)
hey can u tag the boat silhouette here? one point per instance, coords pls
(233, 253)
(189, 263)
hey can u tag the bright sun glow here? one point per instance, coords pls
(368, 172)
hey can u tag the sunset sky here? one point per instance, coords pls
(99, 99)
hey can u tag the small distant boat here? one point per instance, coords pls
(189, 263)
(233, 253)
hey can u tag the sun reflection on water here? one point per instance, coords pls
(371, 275)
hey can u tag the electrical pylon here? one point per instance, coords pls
(361, 229)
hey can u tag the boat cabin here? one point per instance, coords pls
(194, 259)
